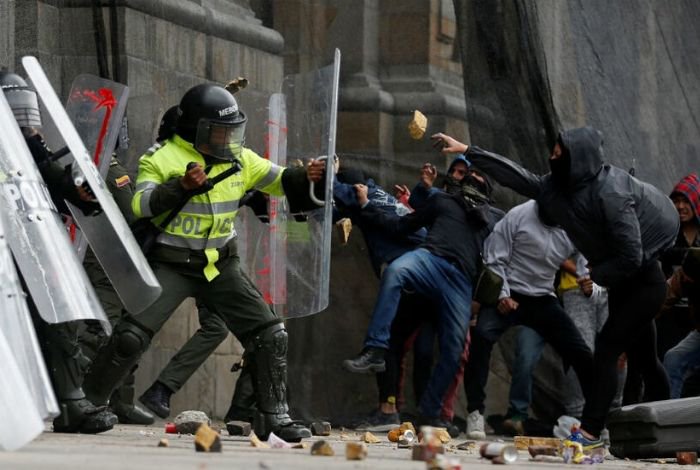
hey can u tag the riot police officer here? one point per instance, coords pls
(196, 255)
(63, 356)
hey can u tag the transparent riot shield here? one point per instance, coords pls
(96, 108)
(254, 230)
(20, 421)
(17, 325)
(54, 277)
(107, 233)
(303, 126)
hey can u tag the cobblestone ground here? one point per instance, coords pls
(135, 447)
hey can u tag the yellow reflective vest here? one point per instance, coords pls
(206, 222)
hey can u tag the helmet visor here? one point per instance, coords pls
(219, 139)
(25, 106)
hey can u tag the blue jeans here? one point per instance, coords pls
(528, 350)
(449, 288)
(679, 359)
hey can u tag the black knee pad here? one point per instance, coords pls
(131, 338)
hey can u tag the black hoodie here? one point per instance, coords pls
(617, 222)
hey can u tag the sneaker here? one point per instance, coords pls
(513, 426)
(377, 421)
(370, 360)
(587, 444)
(475, 425)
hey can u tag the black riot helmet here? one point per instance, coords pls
(211, 120)
(22, 99)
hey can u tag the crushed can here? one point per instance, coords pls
(499, 452)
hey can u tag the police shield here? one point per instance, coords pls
(16, 324)
(252, 222)
(96, 107)
(39, 242)
(20, 421)
(107, 233)
(303, 125)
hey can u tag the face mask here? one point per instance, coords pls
(452, 186)
(561, 169)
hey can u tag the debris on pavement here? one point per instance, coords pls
(470, 446)
(441, 462)
(321, 428)
(206, 439)
(543, 450)
(276, 442)
(394, 435)
(355, 451)
(322, 448)
(256, 442)
(370, 438)
(524, 442)
(687, 458)
(238, 428)
(164, 443)
(499, 452)
(189, 421)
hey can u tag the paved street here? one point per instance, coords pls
(135, 447)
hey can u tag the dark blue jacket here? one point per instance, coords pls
(384, 247)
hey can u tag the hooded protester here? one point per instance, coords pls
(686, 198)
(621, 225)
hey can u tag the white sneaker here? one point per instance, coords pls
(475, 426)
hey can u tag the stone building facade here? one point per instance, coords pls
(397, 56)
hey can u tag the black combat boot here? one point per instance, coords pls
(66, 363)
(267, 355)
(122, 403)
(157, 399)
(81, 416)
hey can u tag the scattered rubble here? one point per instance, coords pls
(189, 421)
(256, 442)
(355, 451)
(322, 448)
(206, 439)
(321, 428)
(238, 428)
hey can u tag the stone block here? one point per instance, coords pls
(238, 428)
(321, 428)
(187, 422)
